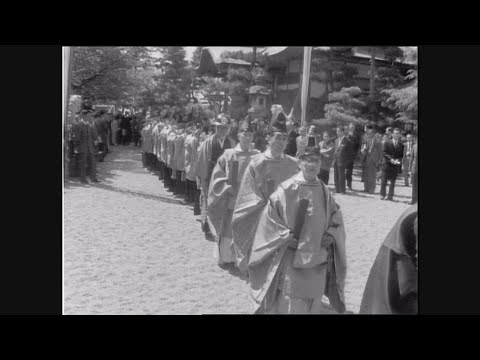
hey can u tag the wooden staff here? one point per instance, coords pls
(300, 218)
(234, 174)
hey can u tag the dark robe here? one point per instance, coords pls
(392, 284)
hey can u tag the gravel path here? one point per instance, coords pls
(131, 247)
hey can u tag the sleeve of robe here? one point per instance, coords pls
(268, 248)
(218, 194)
(250, 202)
(392, 283)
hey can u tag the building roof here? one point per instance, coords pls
(232, 61)
(256, 89)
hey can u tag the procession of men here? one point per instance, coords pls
(270, 214)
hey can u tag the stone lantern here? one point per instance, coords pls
(259, 96)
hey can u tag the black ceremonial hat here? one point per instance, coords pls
(246, 125)
(311, 150)
(279, 124)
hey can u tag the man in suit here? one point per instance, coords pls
(392, 159)
(407, 157)
(352, 151)
(340, 160)
(413, 170)
(389, 132)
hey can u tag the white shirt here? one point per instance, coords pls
(222, 141)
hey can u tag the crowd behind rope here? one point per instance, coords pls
(261, 190)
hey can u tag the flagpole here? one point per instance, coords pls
(307, 57)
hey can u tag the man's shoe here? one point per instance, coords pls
(84, 181)
(390, 199)
(382, 198)
(95, 180)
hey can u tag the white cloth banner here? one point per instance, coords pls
(307, 57)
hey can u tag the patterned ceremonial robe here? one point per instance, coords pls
(208, 153)
(221, 201)
(261, 178)
(286, 280)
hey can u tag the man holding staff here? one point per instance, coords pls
(298, 253)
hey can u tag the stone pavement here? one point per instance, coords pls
(131, 247)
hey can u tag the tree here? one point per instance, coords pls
(175, 81)
(103, 72)
(196, 56)
(345, 106)
(404, 98)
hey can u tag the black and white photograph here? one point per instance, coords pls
(240, 180)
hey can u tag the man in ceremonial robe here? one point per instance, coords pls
(372, 153)
(209, 152)
(262, 176)
(164, 153)
(179, 158)
(392, 284)
(223, 191)
(157, 128)
(293, 265)
(147, 145)
(172, 135)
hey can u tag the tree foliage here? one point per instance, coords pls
(174, 87)
(105, 72)
(404, 99)
(345, 106)
(197, 54)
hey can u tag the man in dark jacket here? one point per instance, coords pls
(352, 151)
(392, 159)
(340, 158)
(414, 172)
(84, 136)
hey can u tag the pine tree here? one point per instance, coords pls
(196, 56)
